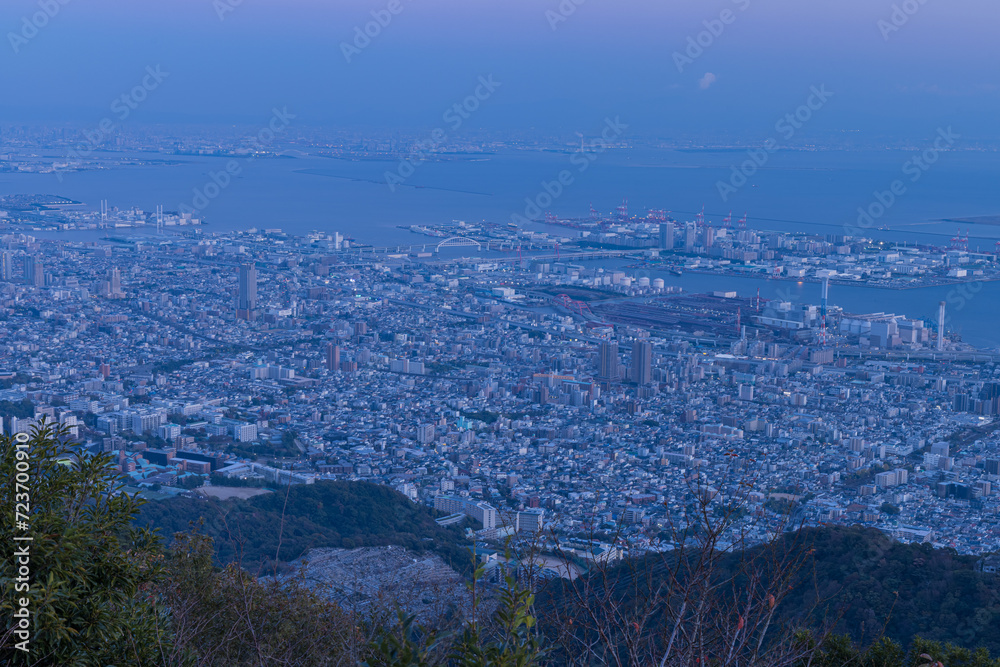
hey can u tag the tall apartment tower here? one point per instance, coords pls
(425, 433)
(708, 237)
(116, 283)
(642, 362)
(690, 237)
(609, 363)
(246, 302)
(666, 236)
(332, 357)
(6, 266)
(34, 272)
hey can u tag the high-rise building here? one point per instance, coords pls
(425, 433)
(116, 283)
(6, 266)
(690, 237)
(708, 237)
(246, 304)
(530, 521)
(332, 357)
(34, 272)
(609, 362)
(642, 362)
(666, 236)
(482, 512)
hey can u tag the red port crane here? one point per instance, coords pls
(576, 306)
(623, 210)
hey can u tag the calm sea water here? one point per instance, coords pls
(970, 312)
(814, 191)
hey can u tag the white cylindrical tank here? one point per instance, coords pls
(657, 283)
(643, 281)
(626, 282)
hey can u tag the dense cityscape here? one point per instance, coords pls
(529, 392)
(520, 333)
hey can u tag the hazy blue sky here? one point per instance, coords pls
(610, 57)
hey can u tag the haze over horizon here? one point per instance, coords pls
(232, 63)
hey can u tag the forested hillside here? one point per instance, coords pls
(910, 589)
(854, 581)
(326, 514)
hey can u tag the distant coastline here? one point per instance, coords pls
(991, 220)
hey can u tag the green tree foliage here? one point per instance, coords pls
(889, 508)
(513, 641)
(839, 651)
(506, 638)
(862, 581)
(229, 618)
(241, 482)
(328, 514)
(406, 645)
(102, 591)
(190, 482)
(481, 415)
(23, 409)
(910, 590)
(171, 366)
(19, 378)
(948, 655)
(89, 565)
